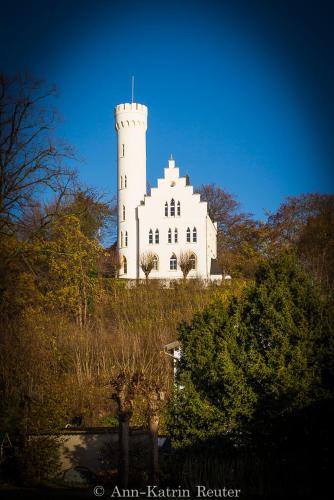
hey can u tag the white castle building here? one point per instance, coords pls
(169, 222)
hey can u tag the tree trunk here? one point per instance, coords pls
(123, 444)
(154, 426)
(154, 399)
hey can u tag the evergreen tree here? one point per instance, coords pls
(260, 357)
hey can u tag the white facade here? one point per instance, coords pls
(170, 221)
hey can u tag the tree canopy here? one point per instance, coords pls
(32, 158)
(255, 358)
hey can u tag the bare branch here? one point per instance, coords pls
(186, 262)
(31, 162)
(147, 263)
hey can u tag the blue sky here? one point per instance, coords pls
(241, 93)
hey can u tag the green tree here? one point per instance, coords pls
(38, 460)
(95, 215)
(257, 358)
(71, 268)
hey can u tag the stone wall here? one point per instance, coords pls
(95, 449)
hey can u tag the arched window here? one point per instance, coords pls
(166, 209)
(125, 265)
(121, 182)
(156, 263)
(121, 238)
(150, 237)
(172, 207)
(192, 261)
(173, 262)
(157, 236)
(125, 181)
(169, 235)
(123, 212)
(175, 235)
(178, 209)
(195, 235)
(126, 238)
(188, 235)
(123, 150)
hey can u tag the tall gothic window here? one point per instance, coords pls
(126, 238)
(156, 263)
(188, 235)
(121, 182)
(175, 235)
(125, 265)
(195, 235)
(123, 150)
(157, 236)
(173, 262)
(178, 208)
(169, 235)
(172, 207)
(150, 237)
(125, 181)
(192, 261)
(121, 238)
(123, 212)
(166, 209)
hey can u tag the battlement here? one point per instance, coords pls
(120, 108)
(130, 115)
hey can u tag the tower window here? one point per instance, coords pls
(195, 235)
(166, 209)
(125, 265)
(172, 208)
(175, 235)
(123, 150)
(121, 238)
(192, 261)
(173, 262)
(123, 212)
(188, 235)
(178, 209)
(155, 263)
(125, 181)
(157, 236)
(169, 235)
(150, 237)
(126, 238)
(121, 182)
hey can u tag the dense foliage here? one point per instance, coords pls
(256, 358)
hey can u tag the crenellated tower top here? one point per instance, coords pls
(130, 115)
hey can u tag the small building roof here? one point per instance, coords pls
(172, 345)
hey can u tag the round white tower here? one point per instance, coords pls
(131, 126)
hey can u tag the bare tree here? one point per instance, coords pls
(111, 262)
(223, 208)
(147, 261)
(186, 263)
(125, 387)
(154, 388)
(139, 369)
(31, 159)
(241, 240)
